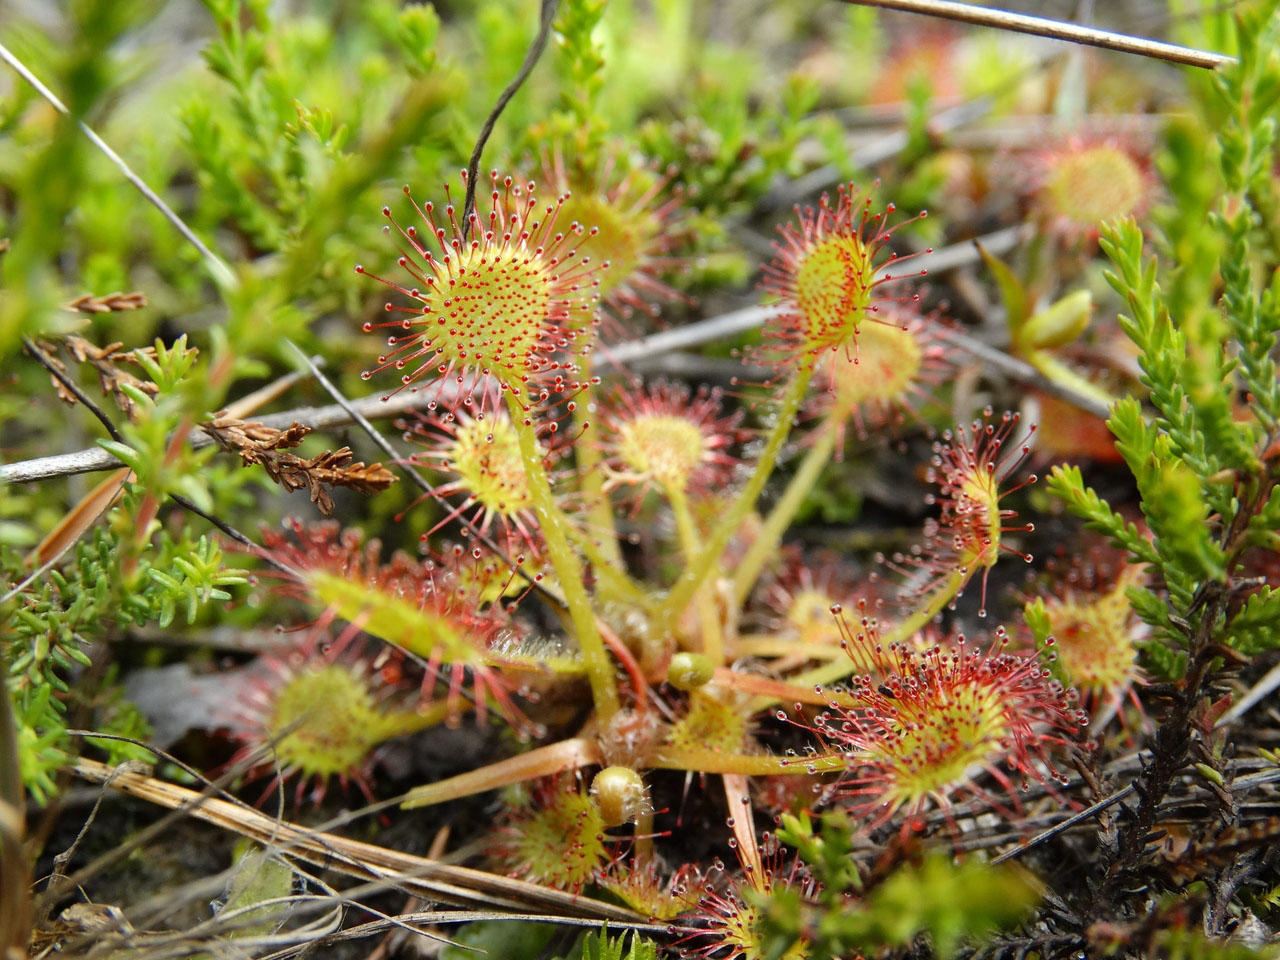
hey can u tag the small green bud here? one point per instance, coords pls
(688, 671)
(1210, 774)
(619, 793)
(1058, 324)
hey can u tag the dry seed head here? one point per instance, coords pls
(504, 305)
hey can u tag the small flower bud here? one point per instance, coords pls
(688, 671)
(619, 792)
(1058, 324)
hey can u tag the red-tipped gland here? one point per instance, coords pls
(1094, 630)
(899, 363)
(932, 711)
(500, 309)
(729, 915)
(826, 273)
(663, 436)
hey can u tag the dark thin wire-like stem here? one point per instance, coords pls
(60, 375)
(539, 44)
(72, 387)
(1054, 29)
(1066, 824)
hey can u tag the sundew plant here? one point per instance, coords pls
(605, 479)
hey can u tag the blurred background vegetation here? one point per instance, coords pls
(277, 131)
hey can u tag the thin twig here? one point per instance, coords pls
(1066, 824)
(87, 402)
(1054, 30)
(222, 273)
(237, 536)
(73, 388)
(546, 18)
(618, 356)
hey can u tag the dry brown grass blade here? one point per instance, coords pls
(79, 518)
(737, 797)
(426, 878)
